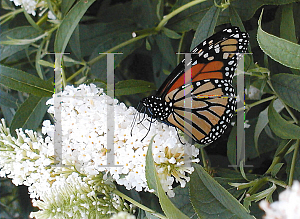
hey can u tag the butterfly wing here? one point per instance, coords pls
(202, 109)
(208, 62)
(203, 106)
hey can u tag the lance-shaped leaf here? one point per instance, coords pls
(281, 127)
(129, 87)
(287, 87)
(24, 82)
(69, 24)
(207, 26)
(154, 183)
(211, 200)
(281, 50)
(30, 113)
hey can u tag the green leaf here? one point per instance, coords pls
(69, 24)
(66, 5)
(276, 169)
(24, 82)
(206, 26)
(288, 89)
(99, 69)
(150, 169)
(182, 201)
(281, 50)
(31, 21)
(231, 146)
(129, 87)
(24, 32)
(115, 12)
(38, 57)
(287, 25)
(75, 43)
(30, 113)
(171, 34)
(8, 114)
(7, 5)
(263, 121)
(166, 49)
(144, 13)
(148, 45)
(8, 100)
(259, 196)
(189, 18)
(100, 37)
(150, 216)
(46, 63)
(281, 127)
(98, 82)
(154, 183)
(211, 200)
(235, 19)
(247, 10)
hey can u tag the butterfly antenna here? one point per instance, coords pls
(151, 121)
(134, 118)
(144, 115)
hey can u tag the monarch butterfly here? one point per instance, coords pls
(202, 106)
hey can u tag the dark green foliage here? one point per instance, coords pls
(162, 29)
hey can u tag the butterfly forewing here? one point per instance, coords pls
(203, 106)
(219, 47)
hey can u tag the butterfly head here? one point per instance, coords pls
(155, 107)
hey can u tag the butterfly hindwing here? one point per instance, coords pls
(205, 109)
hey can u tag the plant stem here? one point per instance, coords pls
(75, 74)
(96, 59)
(257, 103)
(10, 15)
(260, 183)
(293, 164)
(132, 40)
(203, 158)
(175, 12)
(277, 182)
(139, 204)
(42, 19)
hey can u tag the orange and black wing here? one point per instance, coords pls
(203, 106)
(201, 101)
(214, 58)
(202, 109)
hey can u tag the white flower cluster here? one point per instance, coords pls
(123, 215)
(80, 198)
(84, 140)
(32, 5)
(287, 207)
(30, 159)
(26, 158)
